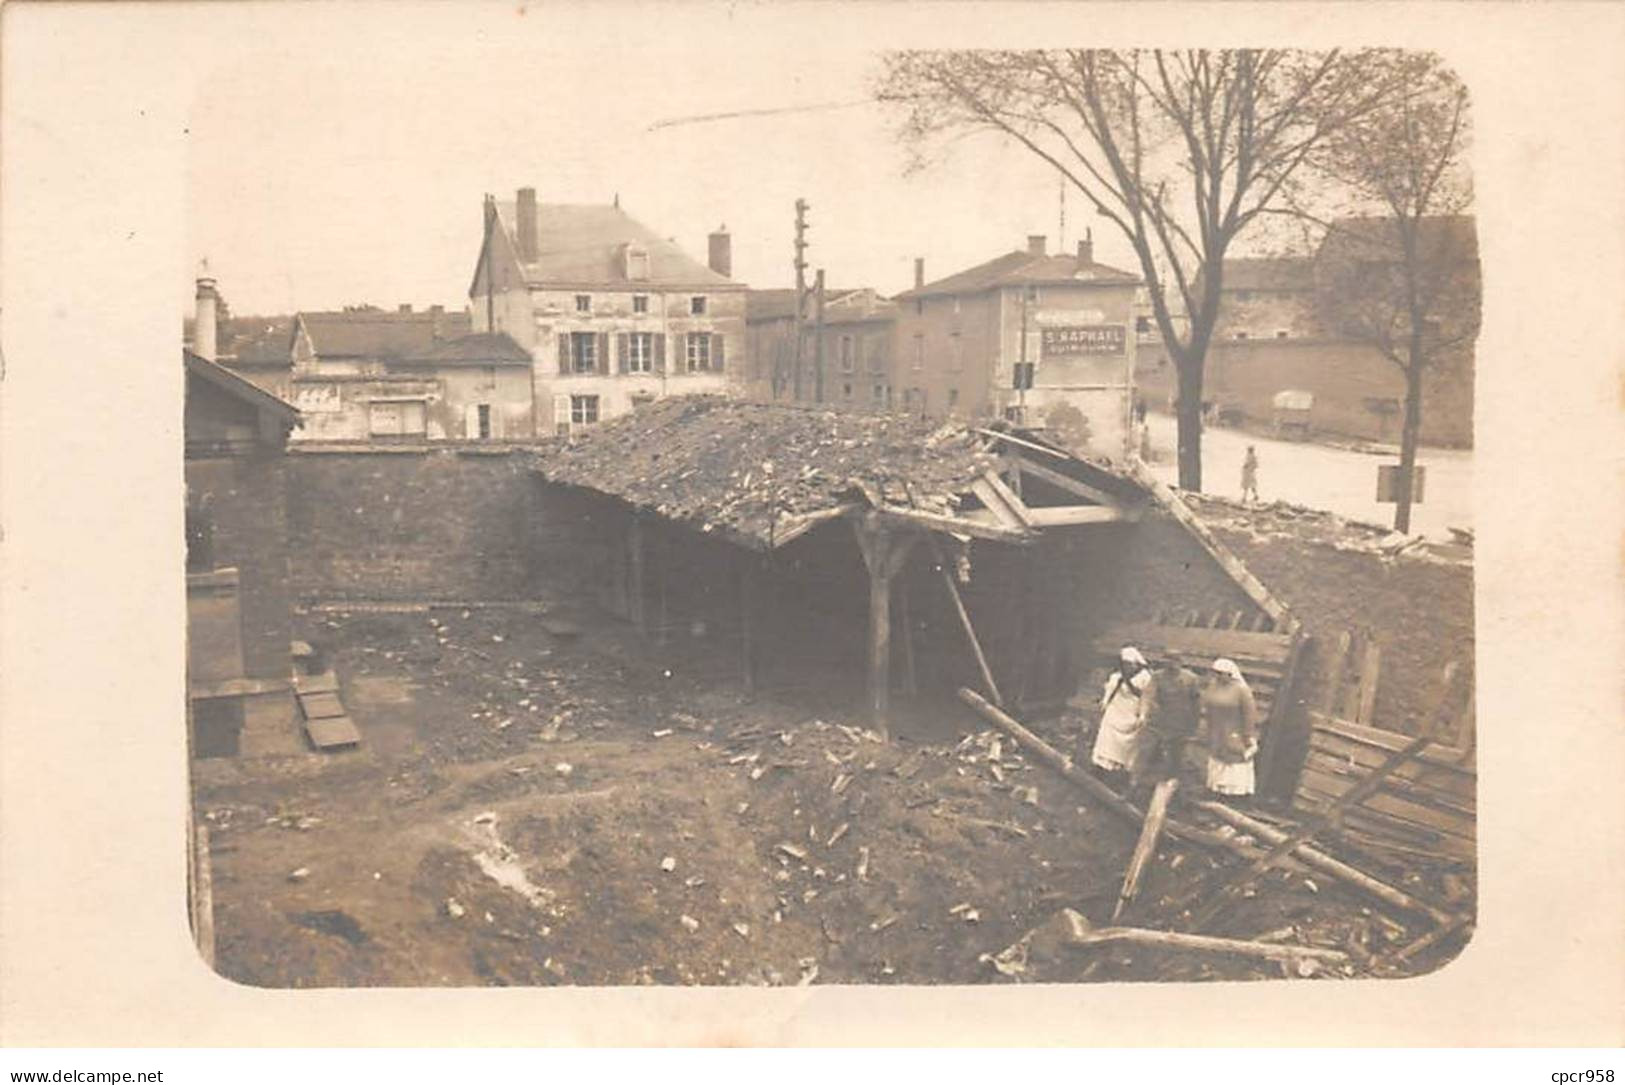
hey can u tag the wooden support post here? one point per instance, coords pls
(1156, 813)
(1370, 670)
(1334, 674)
(884, 552)
(635, 595)
(964, 620)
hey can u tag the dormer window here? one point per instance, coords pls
(637, 263)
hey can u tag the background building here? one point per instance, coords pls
(852, 344)
(959, 340)
(1272, 336)
(610, 312)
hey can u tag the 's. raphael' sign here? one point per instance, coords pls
(1084, 339)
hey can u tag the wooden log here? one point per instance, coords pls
(1326, 864)
(1356, 795)
(1156, 813)
(964, 620)
(1433, 938)
(1110, 799)
(1081, 934)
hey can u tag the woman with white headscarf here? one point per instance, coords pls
(1122, 713)
(1230, 720)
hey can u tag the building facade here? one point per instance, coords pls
(1039, 338)
(373, 375)
(610, 313)
(1272, 337)
(846, 354)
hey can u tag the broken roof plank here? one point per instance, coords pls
(1072, 515)
(1065, 482)
(1018, 507)
(954, 525)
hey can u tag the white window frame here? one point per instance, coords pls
(697, 352)
(579, 408)
(640, 304)
(577, 354)
(640, 352)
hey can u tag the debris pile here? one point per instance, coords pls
(747, 469)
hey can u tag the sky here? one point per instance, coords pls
(339, 153)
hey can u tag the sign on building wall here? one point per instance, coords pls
(1084, 339)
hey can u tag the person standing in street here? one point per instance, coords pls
(1249, 476)
(1230, 722)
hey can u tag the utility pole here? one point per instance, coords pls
(818, 337)
(801, 294)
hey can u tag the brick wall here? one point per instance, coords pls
(249, 515)
(427, 523)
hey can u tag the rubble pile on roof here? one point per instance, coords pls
(1297, 524)
(749, 469)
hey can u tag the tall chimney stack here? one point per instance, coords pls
(721, 255)
(205, 336)
(525, 224)
(919, 272)
(1037, 244)
(1086, 248)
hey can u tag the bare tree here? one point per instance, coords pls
(1405, 281)
(1182, 151)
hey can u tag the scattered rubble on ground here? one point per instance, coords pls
(762, 842)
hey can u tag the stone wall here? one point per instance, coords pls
(421, 523)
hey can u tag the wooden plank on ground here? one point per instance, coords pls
(1439, 820)
(332, 732)
(326, 682)
(318, 706)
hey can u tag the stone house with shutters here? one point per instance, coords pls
(853, 344)
(611, 313)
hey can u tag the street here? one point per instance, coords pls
(1318, 476)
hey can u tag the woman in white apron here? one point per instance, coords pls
(1230, 720)
(1122, 714)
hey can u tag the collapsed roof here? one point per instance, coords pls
(762, 473)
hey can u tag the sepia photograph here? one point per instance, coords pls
(759, 523)
(631, 551)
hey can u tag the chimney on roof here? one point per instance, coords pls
(205, 337)
(919, 272)
(1037, 245)
(525, 224)
(406, 307)
(721, 259)
(1086, 247)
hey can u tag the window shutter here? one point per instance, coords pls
(660, 352)
(603, 352)
(716, 351)
(564, 354)
(623, 351)
(471, 421)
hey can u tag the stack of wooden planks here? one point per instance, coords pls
(1264, 658)
(1428, 807)
(326, 723)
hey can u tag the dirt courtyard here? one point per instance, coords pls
(583, 806)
